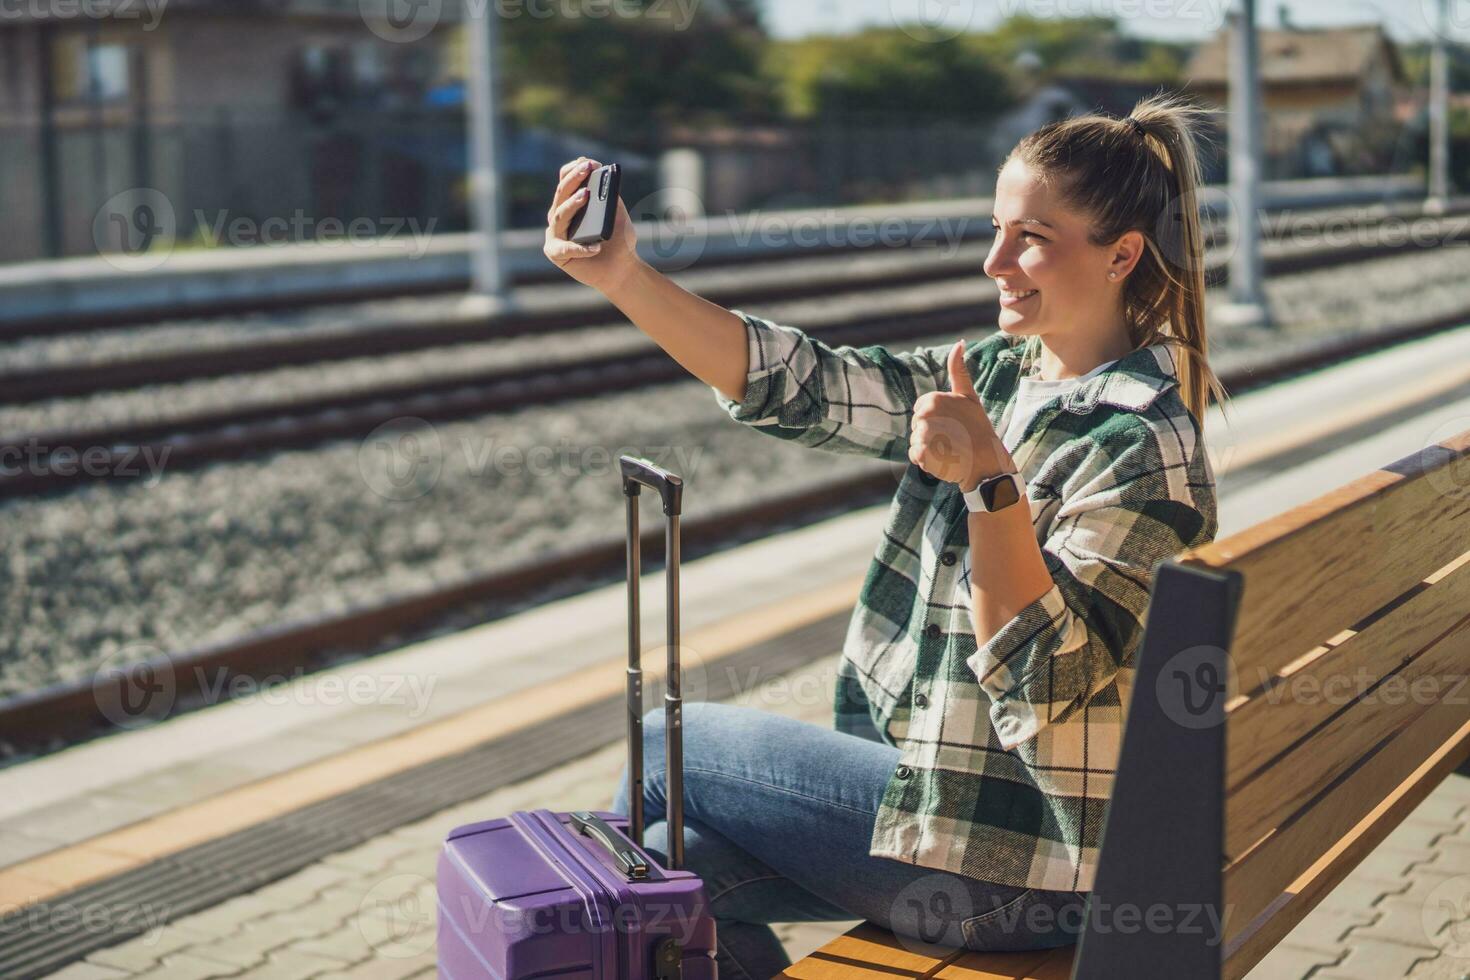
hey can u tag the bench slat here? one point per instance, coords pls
(1303, 894)
(1264, 726)
(1359, 546)
(1055, 964)
(1263, 803)
(867, 952)
(1376, 791)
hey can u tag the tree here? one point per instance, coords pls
(888, 72)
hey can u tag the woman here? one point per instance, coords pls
(985, 674)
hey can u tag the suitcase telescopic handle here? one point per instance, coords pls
(670, 486)
(639, 472)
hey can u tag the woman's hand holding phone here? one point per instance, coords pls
(602, 266)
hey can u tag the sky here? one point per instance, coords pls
(1172, 19)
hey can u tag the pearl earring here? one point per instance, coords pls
(1112, 275)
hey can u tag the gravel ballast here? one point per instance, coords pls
(112, 572)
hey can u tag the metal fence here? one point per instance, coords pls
(236, 178)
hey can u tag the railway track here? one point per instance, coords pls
(212, 435)
(816, 275)
(52, 717)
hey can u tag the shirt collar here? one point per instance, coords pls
(1133, 382)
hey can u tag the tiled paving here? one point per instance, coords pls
(369, 912)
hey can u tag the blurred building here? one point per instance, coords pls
(248, 108)
(1330, 97)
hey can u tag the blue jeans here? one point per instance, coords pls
(778, 814)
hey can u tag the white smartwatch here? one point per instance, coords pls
(995, 493)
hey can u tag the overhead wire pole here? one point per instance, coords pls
(1247, 306)
(487, 267)
(1439, 115)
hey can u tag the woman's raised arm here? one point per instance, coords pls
(708, 340)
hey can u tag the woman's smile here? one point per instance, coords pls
(1015, 297)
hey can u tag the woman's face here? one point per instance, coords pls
(1052, 278)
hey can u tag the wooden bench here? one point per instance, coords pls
(1342, 630)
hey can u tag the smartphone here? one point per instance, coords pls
(594, 221)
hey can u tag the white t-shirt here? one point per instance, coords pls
(1031, 394)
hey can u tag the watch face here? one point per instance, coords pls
(1001, 493)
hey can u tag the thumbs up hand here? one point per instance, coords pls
(950, 433)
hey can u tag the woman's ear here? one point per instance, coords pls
(1124, 255)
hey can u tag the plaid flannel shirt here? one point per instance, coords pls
(1008, 749)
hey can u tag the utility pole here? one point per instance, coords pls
(486, 200)
(1439, 115)
(1247, 305)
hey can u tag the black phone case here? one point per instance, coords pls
(594, 221)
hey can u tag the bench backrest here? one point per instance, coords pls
(1301, 687)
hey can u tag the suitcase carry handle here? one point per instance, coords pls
(591, 825)
(639, 472)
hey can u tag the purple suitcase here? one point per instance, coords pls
(573, 895)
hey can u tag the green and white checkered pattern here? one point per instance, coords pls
(1008, 750)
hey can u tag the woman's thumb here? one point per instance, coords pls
(959, 375)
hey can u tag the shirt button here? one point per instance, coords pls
(921, 700)
(903, 772)
(933, 631)
(948, 558)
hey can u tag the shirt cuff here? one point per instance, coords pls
(759, 341)
(1006, 663)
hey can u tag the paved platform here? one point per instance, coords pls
(367, 911)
